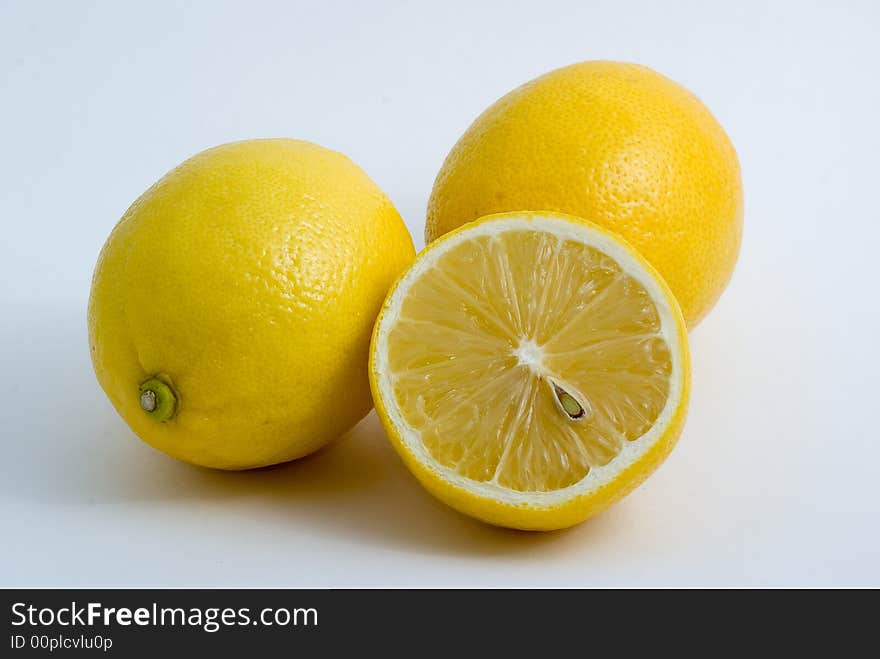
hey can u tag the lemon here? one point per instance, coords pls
(232, 305)
(531, 369)
(618, 144)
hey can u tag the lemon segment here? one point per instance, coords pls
(524, 363)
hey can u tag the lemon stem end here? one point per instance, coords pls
(157, 399)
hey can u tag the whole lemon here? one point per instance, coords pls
(617, 144)
(231, 307)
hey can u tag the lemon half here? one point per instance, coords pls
(531, 369)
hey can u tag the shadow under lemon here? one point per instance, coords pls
(80, 452)
(356, 487)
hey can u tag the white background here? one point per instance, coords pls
(776, 480)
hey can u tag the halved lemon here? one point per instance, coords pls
(531, 369)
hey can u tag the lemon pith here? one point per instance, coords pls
(236, 297)
(530, 369)
(619, 144)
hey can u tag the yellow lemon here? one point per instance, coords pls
(531, 369)
(617, 144)
(232, 305)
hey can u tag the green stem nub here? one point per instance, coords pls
(158, 399)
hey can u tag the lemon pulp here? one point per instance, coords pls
(525, 359)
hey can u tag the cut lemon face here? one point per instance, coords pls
(530, 369)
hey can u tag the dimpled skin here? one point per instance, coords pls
(248, 278)
(617, 144)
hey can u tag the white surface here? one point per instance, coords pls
(775, 480)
